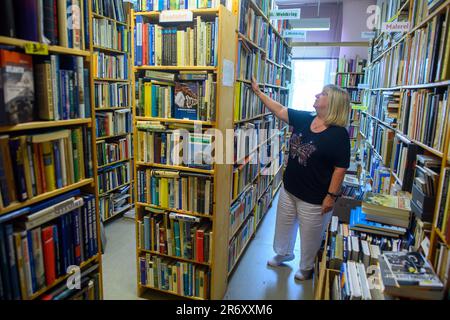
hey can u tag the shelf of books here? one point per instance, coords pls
(404, 149)
(183, 107)
(48, 222)
(260, 138)
(110, 47)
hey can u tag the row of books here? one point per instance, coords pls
(240, 240)
(172, 148)
(171, 46)
(52, 23)
(244, 174)
(55, 88)
(242, 208)
(443, 221)
(422, 8)
(262, 206)
(247, 104)
(44, 241)
(177, 235)
(113, 123)
(40, 163)
(351, 187)
(250, 63)
(110, 66)
(113, 9)
(348, 65)
(108, 34)
(160, 5)
(349, 80)
(442, 263)
(273, 75)
(252, 25)
(404, 156)
(176, 190)
(276, 49)
(112, 177)
(182, 278)
(192, 97)
(111, 95)
(114, 151)
(423, 117)
(115, 203)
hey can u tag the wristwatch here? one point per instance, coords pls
(333, 195)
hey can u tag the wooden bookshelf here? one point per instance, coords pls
(14, 42)
(34, 125)
(172, 167)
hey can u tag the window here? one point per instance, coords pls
(309, 78)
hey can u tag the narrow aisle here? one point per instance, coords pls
(254, 280)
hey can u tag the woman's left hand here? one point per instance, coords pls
(327, 204)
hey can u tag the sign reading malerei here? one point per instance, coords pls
(395, 27)
(287, 14)
(176, 16)
(299, 34)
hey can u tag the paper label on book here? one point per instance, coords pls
(368, 34)
(425, 245)
(395, 27)
(176, 16)
(36, 48)
(299, 34)
(287, 14)
(228, 73)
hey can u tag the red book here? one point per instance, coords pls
(447, 230)
(162, 241)
(199, 243)
(48, 246)
(145, 44)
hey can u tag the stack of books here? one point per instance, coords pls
(387, 209)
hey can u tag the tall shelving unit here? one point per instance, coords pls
(220, 172)
(112, 39)
(87, 185)
(280, 71)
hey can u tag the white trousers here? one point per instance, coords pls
(294, 214)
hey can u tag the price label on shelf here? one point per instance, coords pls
(395, 27)
(287, 14)
(36, 48)
(176, 16)
(299, 34)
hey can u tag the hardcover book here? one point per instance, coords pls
(186, 100)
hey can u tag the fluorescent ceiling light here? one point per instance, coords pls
(313, 24)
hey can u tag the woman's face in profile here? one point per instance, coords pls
(321, 102)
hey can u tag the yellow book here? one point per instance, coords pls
(235, 183)
(191, 47)
(26, 165)
(95, 64)
(148, 99)
(62, 23)
(164, 192)
(20, 265)
(184, 195)
(158, 45)
(237, 106)
(49, 165)
(179, 48)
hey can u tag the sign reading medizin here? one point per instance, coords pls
(287, 14)
(299, 34)
(395, 27)
(176, 16)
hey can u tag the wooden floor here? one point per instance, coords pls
(252, 279)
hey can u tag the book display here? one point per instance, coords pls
(192, 228)
(49, 222)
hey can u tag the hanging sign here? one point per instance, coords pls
(176, 16)
(359, 107)
(287, 14)
(395, 27)
(299, 34)
(368, 34)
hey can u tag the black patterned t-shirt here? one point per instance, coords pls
(313, 157)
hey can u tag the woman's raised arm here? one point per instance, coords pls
(276, 108)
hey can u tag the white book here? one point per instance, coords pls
(334, 224)
(363, 282)
(355, 286)
(365, 253)
(63, 162)
(355, 248)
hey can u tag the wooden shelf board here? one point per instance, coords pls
(112, 163)
(251, 43)
(174, 210)
(100, 195)
(253, 118)
(174, 257)
(173, 120)
(111, 108)
(96, 79)
(112, 137)
(199, 12)
(118, 213)
(44, 124)
(287, 67)
(179, 168)
(436, 12)
(105, 49)
(238, 258)
(396, 177)
(274, 63)
(98, 16)
(51, 49)
(415, 86)
(169, 292)
(349, 72)
(45, 196)
(61, 279)
(441, 237)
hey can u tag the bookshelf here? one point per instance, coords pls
(59, 128)
(216, 270)
(112, 108)
(407, 109)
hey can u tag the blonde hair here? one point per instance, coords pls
(338, 106)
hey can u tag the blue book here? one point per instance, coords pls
(13, 271)
(176, 232)
(63, 94)
(152, 45)
(3, 184)
(359, 222)
(147, 244)
(94, 225)
(157, 190)
(4, 266)
(58, 171)
(32, 263)
(70, 245)
(85, 229)
(143, 269)
(63, 245)
(78, 251)
(57, 240)
(161, 5)
(87, 94)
